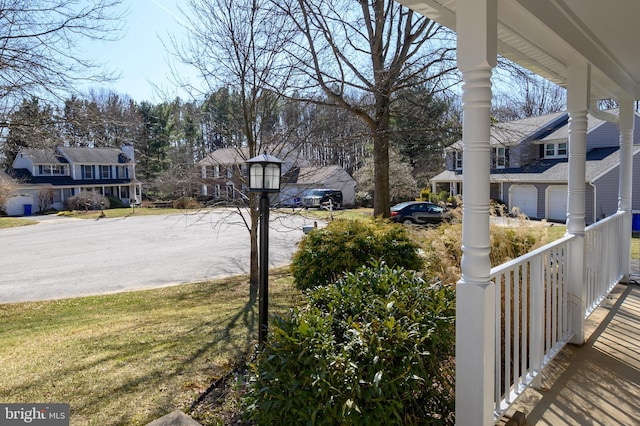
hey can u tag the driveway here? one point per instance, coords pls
(64, 257)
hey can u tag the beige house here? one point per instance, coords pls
(223, 177)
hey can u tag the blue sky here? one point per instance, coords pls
(139, 55)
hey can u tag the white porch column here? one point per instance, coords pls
(578, 104)
(625, 125)
(476, 23)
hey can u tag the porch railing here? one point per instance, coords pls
(532, 308)
(605, 258)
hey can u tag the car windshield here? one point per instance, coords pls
(317, 193)
(401, 205)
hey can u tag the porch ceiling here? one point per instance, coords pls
(545, 36)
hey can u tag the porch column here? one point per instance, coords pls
(578, 103)
(476, 23)
(625, 126)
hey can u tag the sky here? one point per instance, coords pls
(139, 56)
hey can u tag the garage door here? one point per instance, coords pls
(525, 199)
(557, 203)
(16, 205)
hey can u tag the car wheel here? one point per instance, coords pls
(407, 221)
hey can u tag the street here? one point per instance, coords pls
(65, 257)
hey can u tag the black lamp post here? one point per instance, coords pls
(264, 177)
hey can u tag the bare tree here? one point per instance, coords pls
(40, 45)
(521, 93)
(366, 50)
(45, 198)
(238, 44)
(8, 187)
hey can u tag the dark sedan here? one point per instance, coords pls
(419, 212)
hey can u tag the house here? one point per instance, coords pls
(529, 167)
(48, 178)
(222, 174)
(223, 177)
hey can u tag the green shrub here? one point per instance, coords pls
(115, 202)
(345, 245)
(374, 348)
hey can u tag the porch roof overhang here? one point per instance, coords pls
(546, 36)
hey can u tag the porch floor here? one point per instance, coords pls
(597, 383)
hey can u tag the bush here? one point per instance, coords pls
(186, 203)
(115, 203)
(443, 246)
(374, 348)
(345, 245)
(87, 200)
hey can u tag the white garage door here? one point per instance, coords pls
(525, 199)
(16, 205)
(557, 203)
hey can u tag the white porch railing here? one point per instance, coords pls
(532, 307)
(604, 258)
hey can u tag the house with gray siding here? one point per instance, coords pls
(529, 167)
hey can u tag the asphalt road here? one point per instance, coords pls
(65, 257)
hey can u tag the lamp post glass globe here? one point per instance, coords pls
(264, 173)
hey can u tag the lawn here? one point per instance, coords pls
(130, 358)
(12, 222)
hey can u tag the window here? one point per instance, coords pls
(230, 191)
(457, 160)
(216, 171)
(555, 150)
(87, 172)
(229, 172)
(59, 169)
(500, 157)
(562, 149)
(105, 172)
(122, 172)
(216, 191)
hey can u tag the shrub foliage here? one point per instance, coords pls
(376, 347)
(88, 200)
(324, 255)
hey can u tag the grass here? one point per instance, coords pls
(12, 222)
(121, 212)
(323, 214)
(130, 358)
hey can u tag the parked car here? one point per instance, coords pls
(322, 198)
(419, 212)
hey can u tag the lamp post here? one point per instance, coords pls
(264, 177)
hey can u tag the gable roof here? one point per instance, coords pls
(225, 156)
(313, 175)
(84, 155)
(515, 132)
(43, 156)
(510, 133)
(562, 133)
